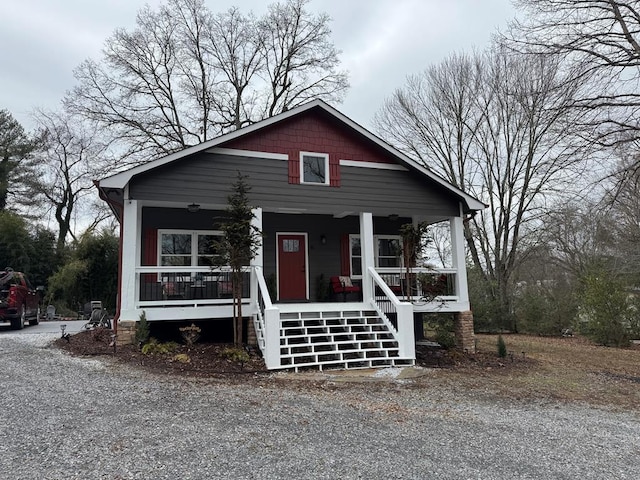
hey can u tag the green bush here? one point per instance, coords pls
(153, 347)
(236, 354)
(488, 314)
(446, 338)
(606, 311)
(182, 358)
(440, 328)
(142, 331)
(546, 310)
(502, 347)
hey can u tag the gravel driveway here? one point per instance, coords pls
(70, 418)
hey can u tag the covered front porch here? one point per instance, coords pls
(303, 323)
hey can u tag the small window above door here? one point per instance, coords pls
(314, 168)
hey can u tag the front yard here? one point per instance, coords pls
(543, 369)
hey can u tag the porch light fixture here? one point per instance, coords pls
(193, 207)
(323, 239)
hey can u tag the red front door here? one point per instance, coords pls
(292, 267)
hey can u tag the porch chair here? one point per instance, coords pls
(343, 285)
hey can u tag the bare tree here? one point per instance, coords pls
(185, 75)
(603, 36)
(496, 125)
(580, 237)
(621, 204)
(236, 47)
(67, 162)
(137, 90)
(300, 61)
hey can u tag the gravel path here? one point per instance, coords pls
(69, 418)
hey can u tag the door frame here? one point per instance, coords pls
(306, 261)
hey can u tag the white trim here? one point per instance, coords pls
(247, 153)
(458, 258)
(194, 243)
(344, 214)
(327, 175)
(131, 225)
(292, 210)
(306, 261)
(367, 252)
(376, 257)
(374, 165)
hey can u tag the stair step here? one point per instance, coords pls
(356, 363)
(337, 339)
(297, 331)
(348, 351)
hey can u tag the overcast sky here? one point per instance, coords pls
(382, 41)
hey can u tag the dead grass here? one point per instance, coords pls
(562, 369)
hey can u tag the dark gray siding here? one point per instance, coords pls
(206, 179)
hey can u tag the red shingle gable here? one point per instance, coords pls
(311, 131)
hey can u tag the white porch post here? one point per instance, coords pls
(130, 259)
(258, 259)
(272, 337)
(458, 260)
(367, 253)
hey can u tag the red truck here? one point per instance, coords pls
(19, 301)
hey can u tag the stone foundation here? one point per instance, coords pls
(126, 332)
(465, 336)
(252, 338)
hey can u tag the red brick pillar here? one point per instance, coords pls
(465, 337)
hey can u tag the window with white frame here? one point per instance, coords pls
(388, 252)
(356, 255)
(180, 248)
(314, 168)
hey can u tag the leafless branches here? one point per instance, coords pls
(603, 36)
(68, 160)
(185, 74)
(499, 126)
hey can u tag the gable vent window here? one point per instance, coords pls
(314, 168)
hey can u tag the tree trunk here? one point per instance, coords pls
(237, 308)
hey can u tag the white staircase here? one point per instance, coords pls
(336, 338)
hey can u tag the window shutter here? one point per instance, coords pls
(294, 168)
(334, 171)
(345, 255)
(150, 247)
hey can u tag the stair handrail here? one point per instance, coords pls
(263, 302)
(267, 323)
(404, 333)
(262, 288)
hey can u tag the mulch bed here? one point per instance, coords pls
(201, 360)
(211, 360)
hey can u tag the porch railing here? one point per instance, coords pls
(389, 307)
(160, 286)
(427, 285)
